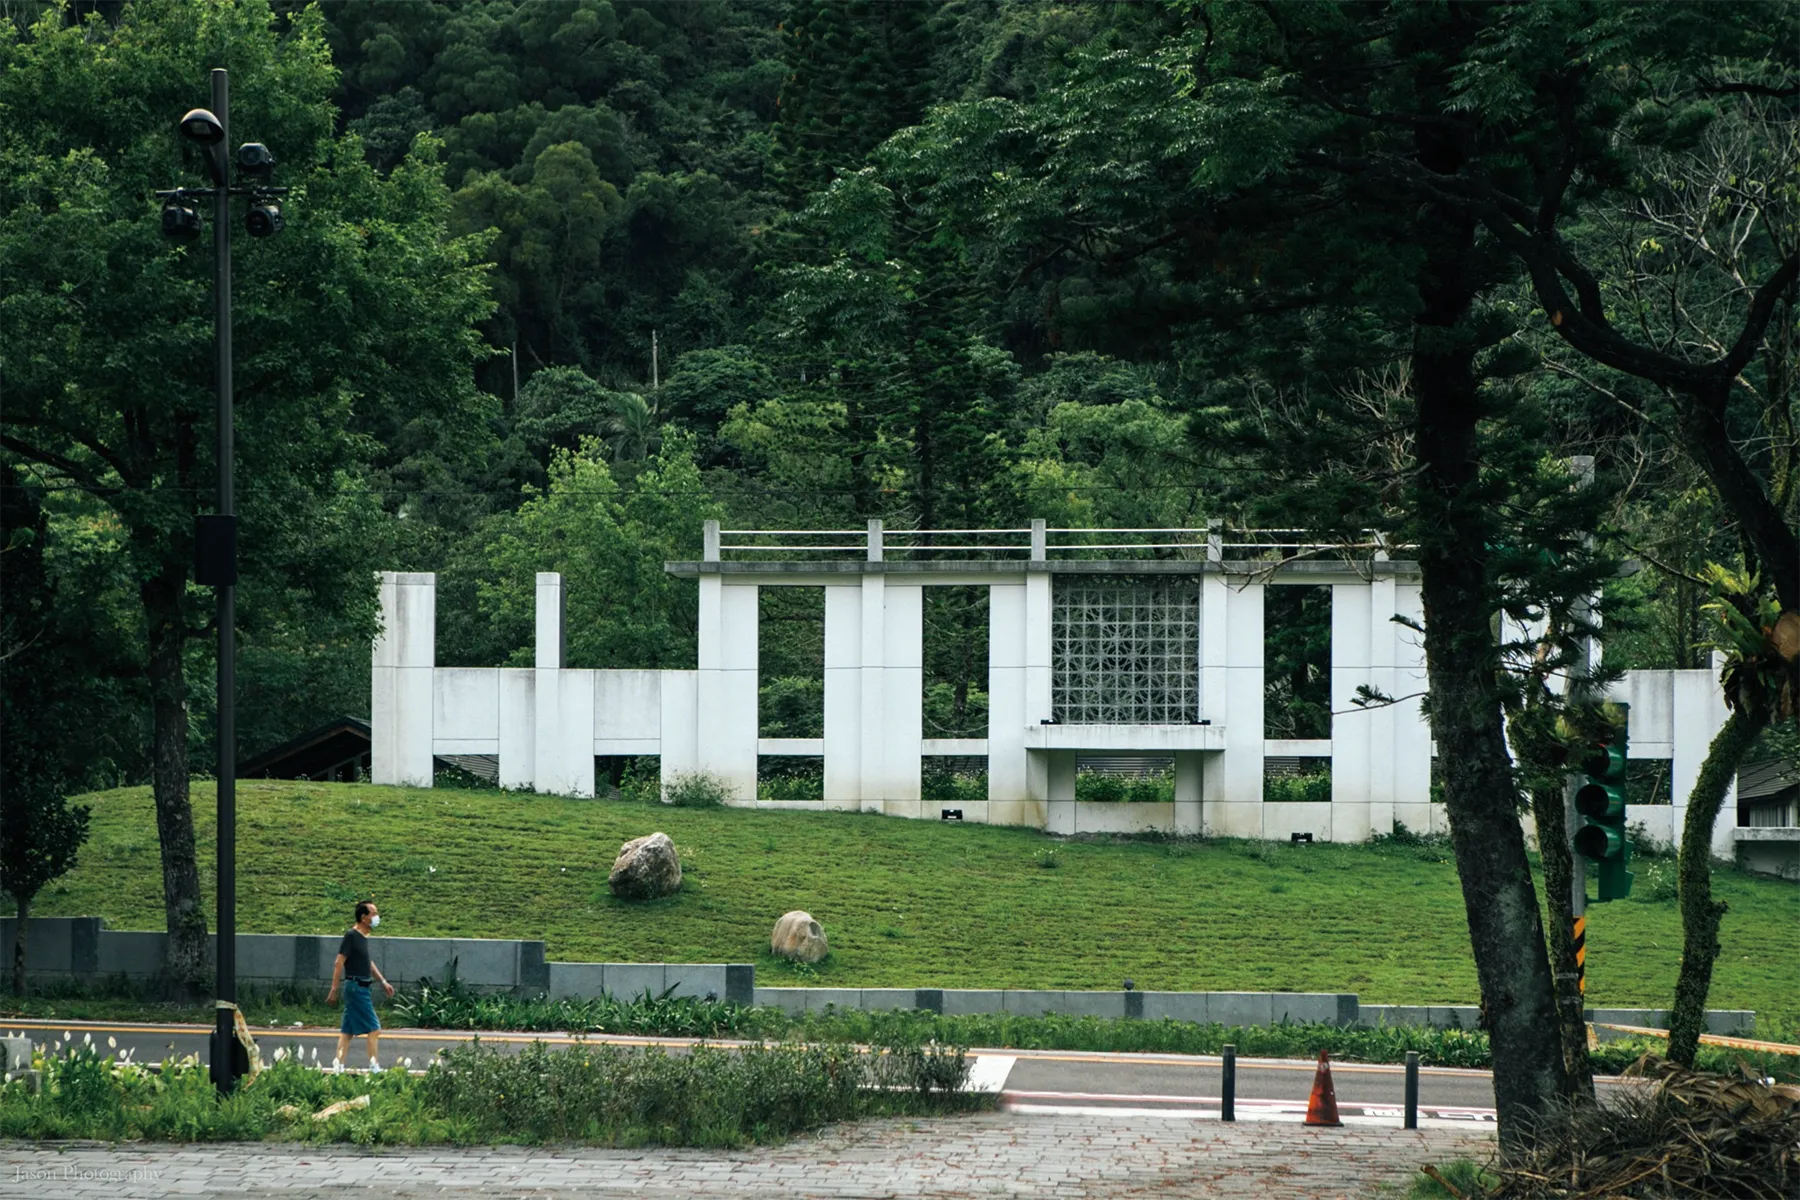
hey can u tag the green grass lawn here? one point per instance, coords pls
(905, 903)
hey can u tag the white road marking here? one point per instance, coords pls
(989, 1072)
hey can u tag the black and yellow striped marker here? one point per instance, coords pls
(1580, 940)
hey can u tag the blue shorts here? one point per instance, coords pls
(359, 1010)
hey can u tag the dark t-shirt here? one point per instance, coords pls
(355, 949)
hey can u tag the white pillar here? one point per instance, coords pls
(843, 696)
(1059, 787)
(1010, 796)
(563, 702)
(1231, 620)
(1354, 731)
(902, 682)
(1412, 732)
(726, 708)
(872, 720)
(403, 661)
(1699, 713)
(1188, 791)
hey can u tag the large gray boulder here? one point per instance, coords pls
(646, 868)
(798, 937)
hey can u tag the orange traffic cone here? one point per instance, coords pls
(1321, 1106)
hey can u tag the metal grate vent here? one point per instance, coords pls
(1125, 651)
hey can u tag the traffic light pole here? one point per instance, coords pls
(1580, 671)
(224, 1060)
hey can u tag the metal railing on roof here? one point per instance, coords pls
(1041, 541)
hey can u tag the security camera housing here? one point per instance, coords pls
(263, 219)
(181, 222)
(256, 160)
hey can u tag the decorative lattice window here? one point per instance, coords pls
(1125, 651)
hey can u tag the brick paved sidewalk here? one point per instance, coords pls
(990, 1155)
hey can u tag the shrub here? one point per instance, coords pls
(695, 789)
(1104, 788)
(1655, 882)
(953, 787)
(604, 1094)
(707, 1097)
(1295, 789)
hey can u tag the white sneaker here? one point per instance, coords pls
(373, 1065)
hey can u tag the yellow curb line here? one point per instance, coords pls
(1711, 1039)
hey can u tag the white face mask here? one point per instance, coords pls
(374, 921)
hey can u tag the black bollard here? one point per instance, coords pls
(1228, 1085)
(1412, 1089)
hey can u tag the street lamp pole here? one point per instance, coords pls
(224, 1062)
(215, 534)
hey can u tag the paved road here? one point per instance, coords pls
(984, 1155)
(1042, 1082)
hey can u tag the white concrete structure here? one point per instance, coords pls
(547, 723)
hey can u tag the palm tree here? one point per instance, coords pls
(633, 427)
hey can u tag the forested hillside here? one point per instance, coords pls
(798, 263)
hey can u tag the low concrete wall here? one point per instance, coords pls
(1727, 1022)
(82, 948)
(1226, 1008)
(629, 981)
(62, 948)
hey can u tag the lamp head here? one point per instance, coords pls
(201, 126)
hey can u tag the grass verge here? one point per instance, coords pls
(453, 1006)
(905, 903)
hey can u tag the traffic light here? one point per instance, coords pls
(1600, 800)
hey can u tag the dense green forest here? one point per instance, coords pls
(563, 278)
(744, 263)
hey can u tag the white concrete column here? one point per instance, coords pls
(1008, 769)
(872, 723)
(1214, 639)
(1412, 732)
(1188, 792)
(518, 729)
(1059, 787)
(1352, 825)
(1353, 729)
(843, 697)
(680, 717)
(1237, 810)
(903, 702)
(1699, 713)
(726, 701)
(403, 661)
(563, 702)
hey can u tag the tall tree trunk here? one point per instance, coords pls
(186, 952)
(18, 971)
(1559, 876)
(1700, 913)
(1506, 930)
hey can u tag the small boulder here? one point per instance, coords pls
(646, 868)
(799, 937)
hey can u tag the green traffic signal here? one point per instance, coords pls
(1600, 802)
(1600, 799)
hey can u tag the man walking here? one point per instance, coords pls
(357, 972)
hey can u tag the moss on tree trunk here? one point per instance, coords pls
(1700, 913)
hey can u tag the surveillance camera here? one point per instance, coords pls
(263, 219)
(254, 158)
(201, 126)
(181, 222)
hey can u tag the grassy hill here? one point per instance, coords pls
(904, 902)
